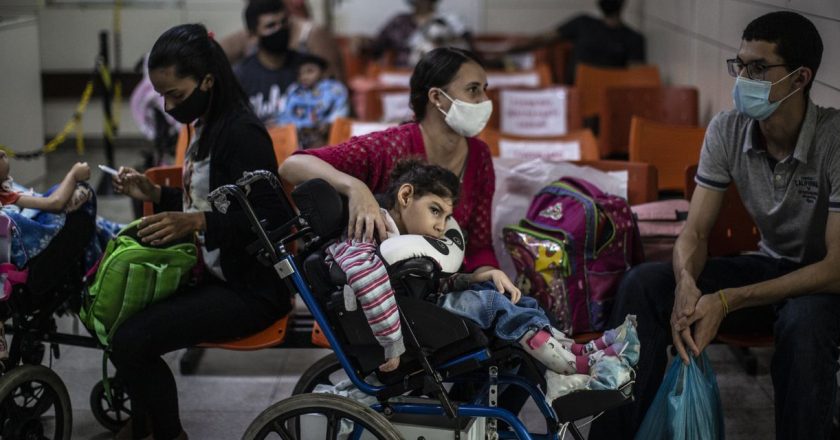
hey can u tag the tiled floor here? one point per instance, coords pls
(231, 388)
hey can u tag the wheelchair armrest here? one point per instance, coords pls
(415, 277)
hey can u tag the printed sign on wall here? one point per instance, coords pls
(534, 113)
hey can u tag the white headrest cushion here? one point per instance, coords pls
(448, 251)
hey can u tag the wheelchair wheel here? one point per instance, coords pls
(114, 415)
(320, 416)
(327, 371)
(34, 404)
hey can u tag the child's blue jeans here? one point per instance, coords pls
(488, 308)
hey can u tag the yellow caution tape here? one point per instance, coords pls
(110, 124)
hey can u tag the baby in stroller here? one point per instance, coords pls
(419, 200)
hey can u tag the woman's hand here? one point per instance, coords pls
(390, 364)
(132, 183)
(365, 215)
(166, 227)
(502, 282)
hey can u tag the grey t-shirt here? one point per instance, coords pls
(789, 200)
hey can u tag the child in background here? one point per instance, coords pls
(419, 200)
(313, 102)
(67, 197)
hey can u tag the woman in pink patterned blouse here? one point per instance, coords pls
(450, 107)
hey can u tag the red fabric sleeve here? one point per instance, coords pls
(482, 186)
(369, 158)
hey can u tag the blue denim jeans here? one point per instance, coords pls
(806, 331)
(489, 309)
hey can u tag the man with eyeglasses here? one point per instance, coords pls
(782, 152)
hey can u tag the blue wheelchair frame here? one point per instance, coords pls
(287, 269)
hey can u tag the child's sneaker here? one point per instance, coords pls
(549, 351)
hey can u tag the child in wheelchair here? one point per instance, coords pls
(30, 246)
(419, 201)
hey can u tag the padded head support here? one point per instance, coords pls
(448, 251)
(321, 206)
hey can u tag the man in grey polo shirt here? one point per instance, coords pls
(782, 152)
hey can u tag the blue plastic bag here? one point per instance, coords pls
(687, 405)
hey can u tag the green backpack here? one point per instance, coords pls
(130, 277)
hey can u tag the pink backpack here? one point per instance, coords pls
(571, 250)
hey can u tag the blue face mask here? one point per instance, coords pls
(752, 97)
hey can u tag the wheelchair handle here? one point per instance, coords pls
(249, 177)
(219, 198)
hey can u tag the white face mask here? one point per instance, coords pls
(465, 118)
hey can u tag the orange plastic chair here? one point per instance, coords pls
(670, 105)
(592, 82)
(560, 54)
(641, 178)
(670, 148)
(171, 176)
(284, 138)
(340, 131)
(587, 141)
(734, 232)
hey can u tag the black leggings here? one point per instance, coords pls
(209, 312)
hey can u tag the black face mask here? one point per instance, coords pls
(191, 108)
(276, 43)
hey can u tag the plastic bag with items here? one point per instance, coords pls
(687, 405)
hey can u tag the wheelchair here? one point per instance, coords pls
(442, 349)
(34, 402)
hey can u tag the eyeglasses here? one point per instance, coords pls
(755, 70)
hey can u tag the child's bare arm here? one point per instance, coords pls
(56, 201)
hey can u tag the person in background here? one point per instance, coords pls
(313, 102)
(604, 42)
(782, 152)
(266, 74)
(305, 36)
(410, 35)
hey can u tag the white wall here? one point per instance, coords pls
(69, 41)
(368, 16)
(691, 39)
(531, 16)
(21, 117)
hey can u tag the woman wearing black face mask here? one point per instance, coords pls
(236, 296)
